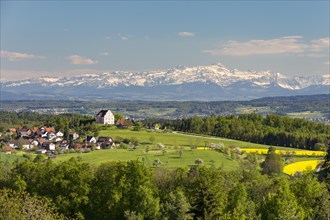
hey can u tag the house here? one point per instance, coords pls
(41, 151)
(11, 131)
(90, 139)
(41, 140)
(28, 144)
(105, 117)
(122, 123)
(51, 135)
(48, 146)
(44, 135)
(7, 149)
(64, 145)
(77, 145)
(24, 132)
(50, 129)
(74, 136)
(59, 134)
(20, 143)
(34, 143)
(104, 142)
(58, 139)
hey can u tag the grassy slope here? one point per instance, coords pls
(170, 159)
(176, 139)
(10, 157)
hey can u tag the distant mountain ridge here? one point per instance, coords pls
(208, 83)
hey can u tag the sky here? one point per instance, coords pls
(66, 38)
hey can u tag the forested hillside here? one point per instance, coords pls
(271, 130)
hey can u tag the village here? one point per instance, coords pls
(48, 140)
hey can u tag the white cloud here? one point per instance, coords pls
(104, 54)
(320, 45)
(80, 60)
(282, 45)
(122, 37)
(15, 56)
(186, 34)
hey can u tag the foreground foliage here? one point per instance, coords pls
(118, 190)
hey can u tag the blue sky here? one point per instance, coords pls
(59, 38)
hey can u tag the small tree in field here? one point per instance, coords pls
(180, 152)
(198, 161)
(157, 162)
(152, 139)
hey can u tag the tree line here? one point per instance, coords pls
(128, 190)
(271, 130)
(280, 105)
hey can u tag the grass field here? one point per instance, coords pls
(10, 157)
(177, 138)
(171, 158)
(306, 114)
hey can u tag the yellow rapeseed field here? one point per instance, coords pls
(284, 152)
(203, 148)
(301, 166)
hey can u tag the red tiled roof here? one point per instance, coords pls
(7, 148)
(50, 129)
(12, 129)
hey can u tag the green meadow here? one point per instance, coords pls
(175, 138)
(147, 151)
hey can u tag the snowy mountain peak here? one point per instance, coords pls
(216, 74)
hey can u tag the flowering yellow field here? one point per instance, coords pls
(284, 152)
(301, 166)
(203, 148)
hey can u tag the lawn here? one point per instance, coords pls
(306, 114)
(10, 157)
(177, 138)
(170, 158)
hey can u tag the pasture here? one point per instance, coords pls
(169, 159)
(179, 150)
(177, 138)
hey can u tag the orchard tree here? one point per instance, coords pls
(152, 139)
(198, 161)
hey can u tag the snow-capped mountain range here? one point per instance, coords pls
(214, 82)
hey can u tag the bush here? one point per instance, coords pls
(28, 156)
(126, 140)
(123, 146)
(118, 139)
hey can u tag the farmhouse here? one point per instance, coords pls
(105, 117)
